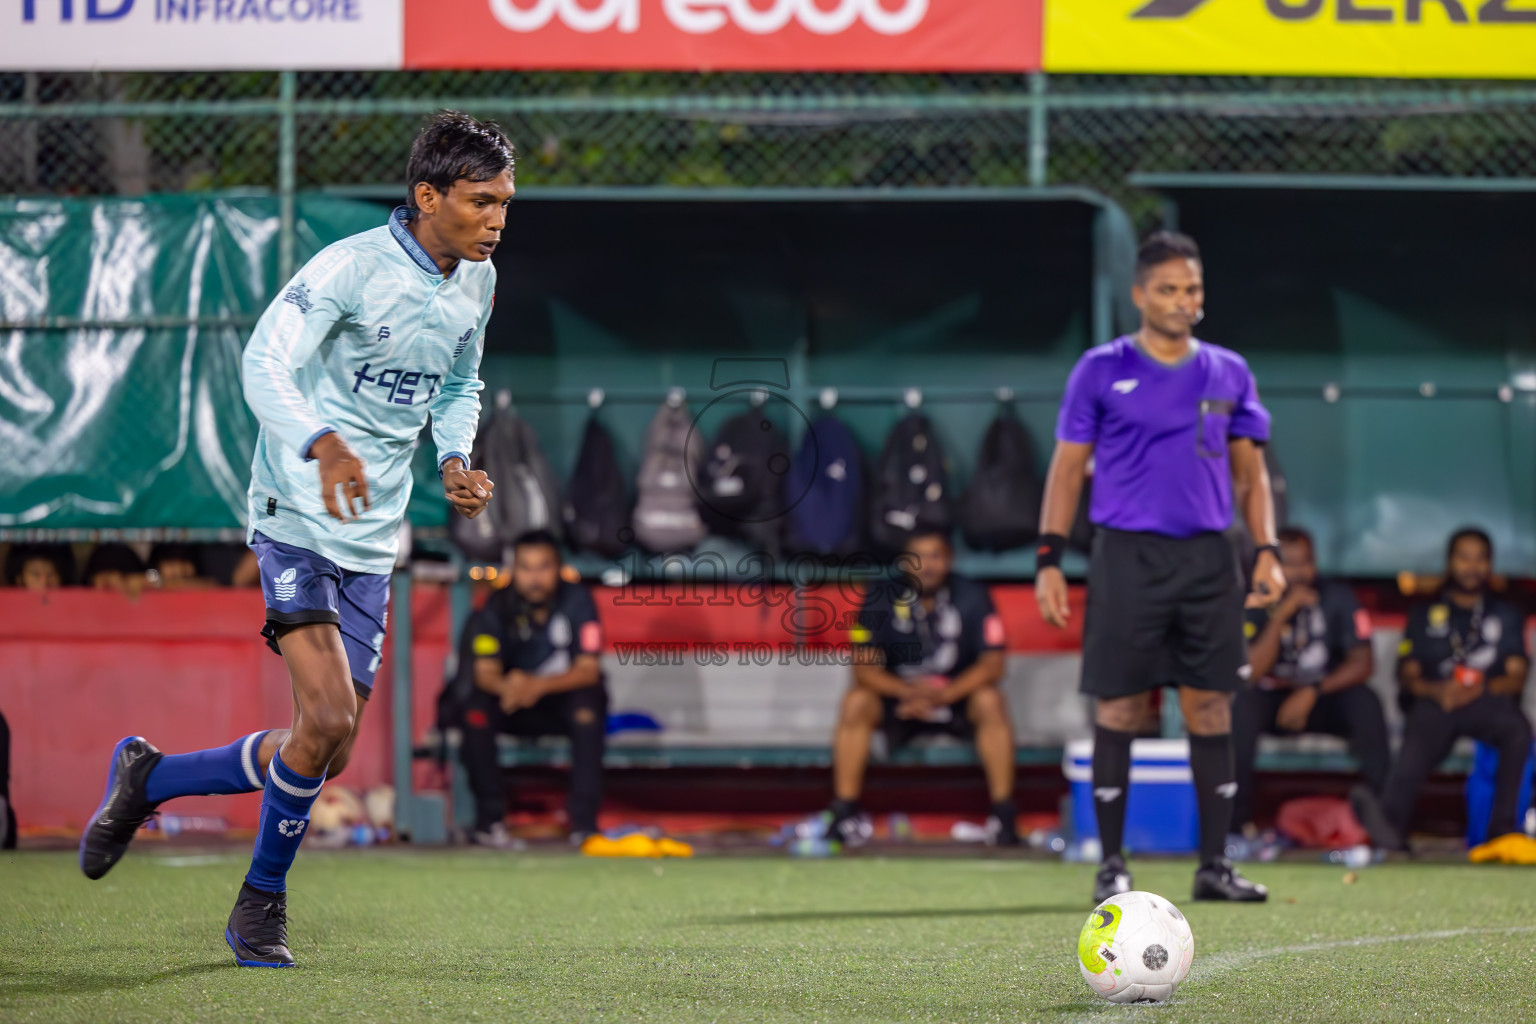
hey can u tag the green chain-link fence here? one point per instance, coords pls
(134, 133)
(287, 135)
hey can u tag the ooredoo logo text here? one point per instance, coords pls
(1456, 12)
(701, 17)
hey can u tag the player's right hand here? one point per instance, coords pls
(918, 702)
(340, 469)
(1296, 598)
(469, 491)
(1051, 596)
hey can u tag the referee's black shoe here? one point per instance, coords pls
(123, 809)
(1112, 880)
(1219, 880)
(258, 928)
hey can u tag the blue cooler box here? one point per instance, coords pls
(1160, 813)
(1485, 765)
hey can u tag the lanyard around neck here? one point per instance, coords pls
(1474, 632)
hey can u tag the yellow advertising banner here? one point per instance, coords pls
(1389, 38)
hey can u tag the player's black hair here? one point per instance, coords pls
(451, 147)
(59, 554)
(111, 558)
(1464, 533)
(174, 553)
(1160, 247)
(537, 538)
(925, 530)
(1296, 535)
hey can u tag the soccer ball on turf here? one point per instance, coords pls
(1135, 948)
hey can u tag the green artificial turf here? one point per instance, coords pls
(391, 935)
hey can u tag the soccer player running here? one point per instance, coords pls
(370, 337)
(1173, 425)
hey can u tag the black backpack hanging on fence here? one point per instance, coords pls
(911, 485)
(527, 497)
(597, 507)
(823, 491)
(740, 482)
(1001, 509)
(666, 516)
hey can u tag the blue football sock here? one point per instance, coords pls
(284, 818)
(231, 769)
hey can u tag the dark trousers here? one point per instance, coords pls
(1354, 714)
(7, 813)
(581, 715)
(1428, 735)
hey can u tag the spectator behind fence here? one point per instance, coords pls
(1311, 663)
(114, 567)
(1461, 671)
(528, 666)
(928, 657)
(247, 572)
(39, 567)
(177, 567)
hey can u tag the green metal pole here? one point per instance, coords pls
(421, 817)
(287, 144)
(400, 698)
(1039, 135)
(461, 602)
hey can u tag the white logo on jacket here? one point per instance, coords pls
(1126, 386)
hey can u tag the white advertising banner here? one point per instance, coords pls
(131, 35)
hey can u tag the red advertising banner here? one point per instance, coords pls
(725, 35)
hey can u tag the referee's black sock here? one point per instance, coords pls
(1211, 763)
(1111, 780)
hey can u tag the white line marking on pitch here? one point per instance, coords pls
(195, 860)
(1216, 963)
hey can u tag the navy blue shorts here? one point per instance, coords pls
(301, 587)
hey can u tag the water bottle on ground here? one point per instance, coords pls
(815, 847)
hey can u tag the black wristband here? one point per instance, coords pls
(1049, 551)
(1272, 548)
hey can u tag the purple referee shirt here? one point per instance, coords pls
(1160, 434)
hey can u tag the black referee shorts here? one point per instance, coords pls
(1162, 612)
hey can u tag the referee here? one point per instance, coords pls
(1174, 426)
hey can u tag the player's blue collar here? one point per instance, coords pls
(413, 249)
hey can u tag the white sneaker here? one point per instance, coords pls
(498, 838)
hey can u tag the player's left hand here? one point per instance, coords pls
(918, 702)
(946, 694)
(1464, 688)
(468, 490)
(523, 690)
(1268, 581)
(1296, 709)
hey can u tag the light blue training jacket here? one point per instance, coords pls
(366, 340)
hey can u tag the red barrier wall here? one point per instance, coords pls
(80, 669)
(727, 614)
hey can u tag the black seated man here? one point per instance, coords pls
(929, 654)
(1311, 663)
(533, 654)
(1461, 671)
